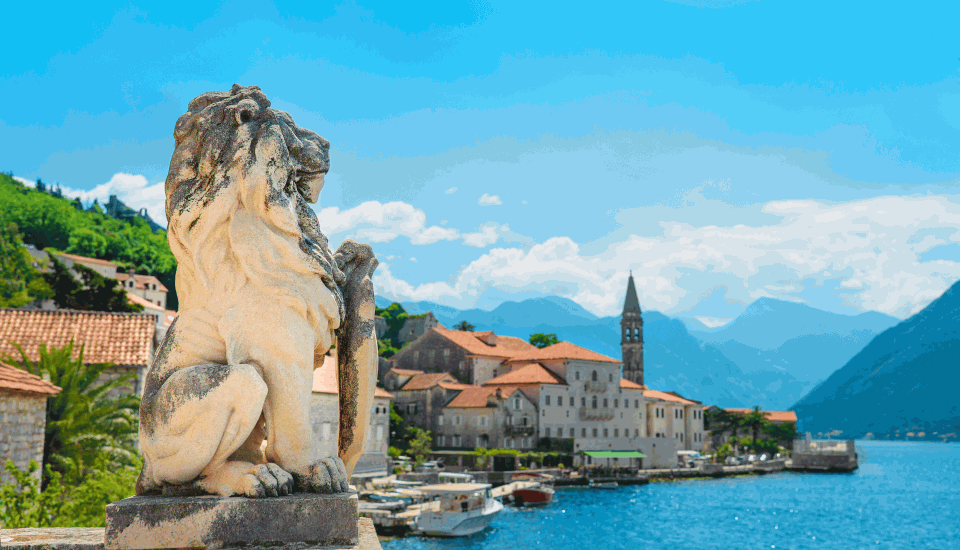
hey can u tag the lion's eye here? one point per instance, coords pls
(245, 116)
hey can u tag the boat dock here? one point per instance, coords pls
(402, 521)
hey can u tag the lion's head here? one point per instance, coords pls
(237, 191)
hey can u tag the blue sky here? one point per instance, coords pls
(492, 151)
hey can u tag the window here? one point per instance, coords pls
(446, 355)
(606, 432)
(610, 377)
(440, 420)
(681, 437)
(509, 420)
(547, 432)
(636, 432)
(523, 421)
(626, 403)
(411, 408)
(594, 401)
(516, 404)
(616, 432)
(605, 402)
(583, 401)
(457, 419)
(681, 413)
(583, 432)
(483, 420)
(626, 332)
(559, 432)
(576, 375)
(656, 413)
(559, 400)
(594, 376)
(523, 442)
(456, 440)
(594, 432)
(547, 399)
(616, 403)
(416, 356)
(636, 332)
(636, 403)
(510, 444)
(441, 441)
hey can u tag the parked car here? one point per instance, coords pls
(430, 466)
(764, 457)
(752, 458)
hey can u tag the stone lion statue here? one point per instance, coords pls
(226, 402)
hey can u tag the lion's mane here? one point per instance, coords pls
(235, 215)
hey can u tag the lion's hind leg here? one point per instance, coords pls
(198, 421)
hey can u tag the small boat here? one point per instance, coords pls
(604, 484)
(464, 509)
(537, 495)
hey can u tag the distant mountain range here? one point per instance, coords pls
(721, 370)
(904, 381)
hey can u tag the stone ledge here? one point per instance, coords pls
(91, 538)
(293, 522)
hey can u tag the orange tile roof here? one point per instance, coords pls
(563, 350)
(147, 304)
(631, 385)
(140, 281)
(83, 259)
(507, 346)
(534, 373)
(668, 396)
(472, 397)
(120, 338)
(772, 416)
(19, 380)
(405, 372)
(428, 380)
(325, 379)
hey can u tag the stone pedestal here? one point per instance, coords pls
(294, 522)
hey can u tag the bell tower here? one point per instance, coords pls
(631, 335)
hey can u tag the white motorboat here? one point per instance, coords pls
(604, 484)
(457, 509)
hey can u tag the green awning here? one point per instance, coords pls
(615, 454)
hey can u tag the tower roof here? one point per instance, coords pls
(631, 303)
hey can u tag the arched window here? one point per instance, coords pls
(605, 402)
(594, 401)
(636, 333)
(594, 376)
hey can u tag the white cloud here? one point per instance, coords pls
(869, 249)
(375, 222)
(451, 190)
(489, 200)
(487, 236)
(413, 259)
(133, 189)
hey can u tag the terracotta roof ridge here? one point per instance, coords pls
(83, 311)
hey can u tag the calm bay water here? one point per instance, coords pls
(905, 495)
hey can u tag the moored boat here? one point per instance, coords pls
(464, 509)
(604, 484)
(537, 495)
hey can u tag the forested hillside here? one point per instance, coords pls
(48, 221)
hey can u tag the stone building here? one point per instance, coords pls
(23, 419)
(124, 339)
(422, 397)
(631, 335)
(416, 326)
(325, 417)
(147, 287)
(672, 416)
(471, 357)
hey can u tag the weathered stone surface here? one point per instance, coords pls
(91, 538)
(226, 403)
(302, 520)
(23, 418)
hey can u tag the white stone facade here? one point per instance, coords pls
(23, 418)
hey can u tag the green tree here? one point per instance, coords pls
(24, 504)
(87, 242)
(20, 282)
(464, 326)
(399, 432)
(785, 433)
(85, 426)
(93, 292)
(419, 445)
(754, 421)
(543, 340)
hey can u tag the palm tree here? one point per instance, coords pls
(84, 423)
(464, 326)
(755, 421)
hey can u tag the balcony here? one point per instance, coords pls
(588, 414)
(593, 386)
(518, 431)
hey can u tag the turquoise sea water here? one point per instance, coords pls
(905, 495)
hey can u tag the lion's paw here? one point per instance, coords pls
(327, 475)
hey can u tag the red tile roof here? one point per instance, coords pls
(147, 304)
(631, 385)
(533, 373)
(325, 379)
(428, 380)
(120, 338)
(668, 396)
(472, 397)
(141, 281)
(19, 380)
(772, 416)
(405, 372)
(84, 259)
(563, 350)
(507, 346)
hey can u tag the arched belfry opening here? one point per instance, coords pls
(631, 335)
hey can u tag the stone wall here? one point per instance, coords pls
(23, 419)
